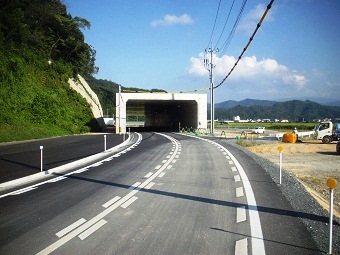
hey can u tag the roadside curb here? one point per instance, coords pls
(64, 168)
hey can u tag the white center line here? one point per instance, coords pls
(161, 174)
(129, 202)
(92, 229)
(111, 202)
(148, 175)
(135, 185)
(70, 228)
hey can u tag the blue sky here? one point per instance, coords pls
(160, 44)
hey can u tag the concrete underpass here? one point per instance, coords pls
(162, 112)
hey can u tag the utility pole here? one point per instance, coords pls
(208, 64)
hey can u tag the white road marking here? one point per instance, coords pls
(149, 186)
(237, 178)
(241, 214)
(174, 161)
(81, 170)
(135, 185)
(257, 243)
(234, 169)
(92, 229)
(164, 161)
(158, 167)
(239, 192)
(71, 227)
(96, 164)
(177, 156)
(57, 179)
(32, 187)
(129, 202)
(112, 201)
(169, 167)
(108, 210)
(241, 247)
(161, 174)
(20, 191)
(227, 157)
(231, 162)
(148, 175)
(168, 156)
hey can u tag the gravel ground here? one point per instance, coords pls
(315, 218)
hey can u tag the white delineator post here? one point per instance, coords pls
(331, 183)
(280, 148)
(41, 158)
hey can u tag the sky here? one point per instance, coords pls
(162, 44)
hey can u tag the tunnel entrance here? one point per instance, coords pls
(162, 115)
(160, 112)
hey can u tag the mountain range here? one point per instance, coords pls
(294, 110)
(252, 102)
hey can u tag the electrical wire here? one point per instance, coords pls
(225, 23)
(212, 33)
(232, 69)
(249, 42)
(232, 32)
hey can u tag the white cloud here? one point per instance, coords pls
(253, 17)
(169, 20)
(252, 78)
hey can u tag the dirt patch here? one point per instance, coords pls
(311, 162)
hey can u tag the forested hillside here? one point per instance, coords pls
(106, 92)
(41, 47)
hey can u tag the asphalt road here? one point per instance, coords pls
(161, 194)
(21, 159)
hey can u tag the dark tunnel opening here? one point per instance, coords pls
(164, 115)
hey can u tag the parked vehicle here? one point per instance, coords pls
(338, 147)
(259, 130)
(324, 131)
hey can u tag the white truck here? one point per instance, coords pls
(324, 131)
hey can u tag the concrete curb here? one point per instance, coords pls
(64, 168)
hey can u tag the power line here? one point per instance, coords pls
(250, 40)
(225, 23)
(212, 33)
(232, 32)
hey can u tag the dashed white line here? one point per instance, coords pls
(148, 175)
(239, 192)
(241, 214)
(164, 161)
(231, 162)
(92, 229)
(241, 247)
(161, 174)
(71, 227)
(135, 185)
(169, 167)
(112, 201)
(234, 169)
(237, 178)
(129, 202)
(149, 186)
(158, 167)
